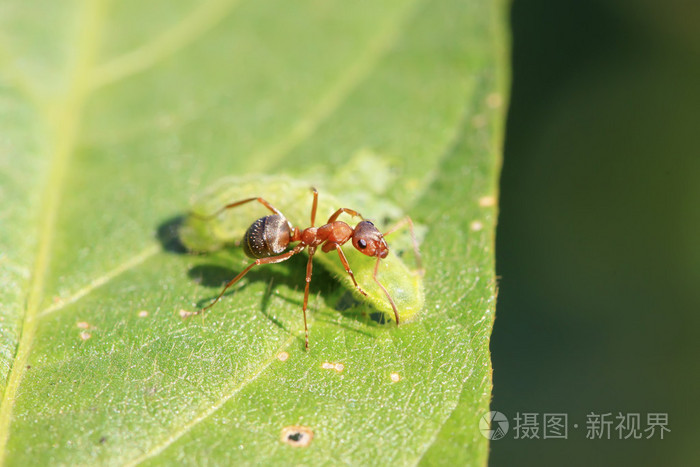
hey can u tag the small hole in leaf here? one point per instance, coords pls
(297, 436)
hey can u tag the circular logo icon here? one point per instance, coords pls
(493, 425)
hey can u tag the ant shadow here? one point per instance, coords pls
(168, 234)
(215, 276)
(289, 274)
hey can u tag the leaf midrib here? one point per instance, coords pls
(63, 115)
(63, 118)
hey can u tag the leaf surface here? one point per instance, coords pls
(115, 113)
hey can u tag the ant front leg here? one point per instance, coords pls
(386, 292)
(269, 260)
(346, 265)
(403, 222)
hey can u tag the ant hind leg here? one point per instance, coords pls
(262, 201)
(269, 260)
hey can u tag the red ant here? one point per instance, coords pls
(268, 237)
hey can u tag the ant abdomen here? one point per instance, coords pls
(268, 236)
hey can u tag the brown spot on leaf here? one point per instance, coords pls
(486, 201)
(494, 100)
(184, 314)
(333, 366)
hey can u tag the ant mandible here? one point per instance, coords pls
(268, 237)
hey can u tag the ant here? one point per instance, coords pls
(268, 237)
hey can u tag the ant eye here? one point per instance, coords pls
(362, 244)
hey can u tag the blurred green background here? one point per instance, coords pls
(597, 244)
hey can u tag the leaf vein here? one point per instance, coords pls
(102, 280)
(170, 42)
(351, 77)
(210, 410)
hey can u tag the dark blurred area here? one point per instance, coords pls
(598, 243)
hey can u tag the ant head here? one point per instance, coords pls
(369, 240)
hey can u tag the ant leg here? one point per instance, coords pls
(309, 268)
(335, 215)
(313, 206)
(270, 260)
(238, 203)
(407, 221)
(344, 260)
(386, 292)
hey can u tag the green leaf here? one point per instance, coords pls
(115, 113)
